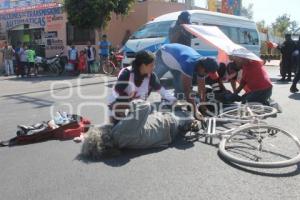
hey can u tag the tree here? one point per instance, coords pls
(247, 11)
(261, 26)
(95, 13)
(294, 26)
(284, 24)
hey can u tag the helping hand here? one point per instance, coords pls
(199, 116)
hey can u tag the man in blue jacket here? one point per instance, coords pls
(184, 62)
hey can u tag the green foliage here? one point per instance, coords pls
(95, 13)
(261, 26)
(283, 24)
(247, 11)
(294, 26)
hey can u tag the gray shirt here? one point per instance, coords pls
(145, 129)
(8, 53)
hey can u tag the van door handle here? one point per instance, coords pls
(196, 44)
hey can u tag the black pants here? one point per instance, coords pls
(286, 68)
(29, 66)
(23, 68)
(297, 76)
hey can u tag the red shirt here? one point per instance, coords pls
(255, 76)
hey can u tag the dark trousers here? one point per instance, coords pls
(297, 76)
(22, 66)
(90, 63)
(286, 68)
(29, 66)
(260, 96)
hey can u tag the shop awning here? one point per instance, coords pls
(215, 37)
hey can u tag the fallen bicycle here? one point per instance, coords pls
(251, 141)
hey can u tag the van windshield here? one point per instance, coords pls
(153, 30)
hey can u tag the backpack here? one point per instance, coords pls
(43, 133)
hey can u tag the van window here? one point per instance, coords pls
(231, 32)
(153, 30)
(234, 34)
(249, 37)
(225, 30)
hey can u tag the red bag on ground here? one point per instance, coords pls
(64, 132)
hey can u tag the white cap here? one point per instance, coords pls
(245, 53)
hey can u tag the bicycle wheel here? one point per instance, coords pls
(248, 112)
(261, 146)
(109, 68)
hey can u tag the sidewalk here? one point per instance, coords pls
(274, 63)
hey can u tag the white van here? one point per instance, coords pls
(155, 33)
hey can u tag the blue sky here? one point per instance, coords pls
(269, 10)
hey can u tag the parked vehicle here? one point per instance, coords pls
(155, 33)
(54, 65)
(114, 63)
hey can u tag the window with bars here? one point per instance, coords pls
(79, 36)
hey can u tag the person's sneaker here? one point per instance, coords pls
(282, 80)
(277, 107)
(293, 89)
(79, 139)
(289, 80)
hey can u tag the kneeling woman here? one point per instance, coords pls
(135, 82)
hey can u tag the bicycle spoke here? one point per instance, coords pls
(262, 144)
(248, 112)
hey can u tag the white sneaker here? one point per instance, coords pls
(79, 139)
(277, 107)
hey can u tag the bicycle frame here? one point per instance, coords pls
(211, 124)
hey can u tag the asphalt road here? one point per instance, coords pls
(51, 170)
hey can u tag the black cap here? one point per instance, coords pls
(185, 16)
(209, 64)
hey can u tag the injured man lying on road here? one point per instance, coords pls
(140, 130)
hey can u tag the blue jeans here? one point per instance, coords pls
(161, 69)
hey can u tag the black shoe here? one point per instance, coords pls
(289, 79)
(293, 89)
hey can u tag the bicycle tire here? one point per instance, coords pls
(232, 153)
(109, 68)
(240, 112)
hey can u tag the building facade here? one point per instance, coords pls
(44, 24)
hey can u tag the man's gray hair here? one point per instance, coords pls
(98, 143)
